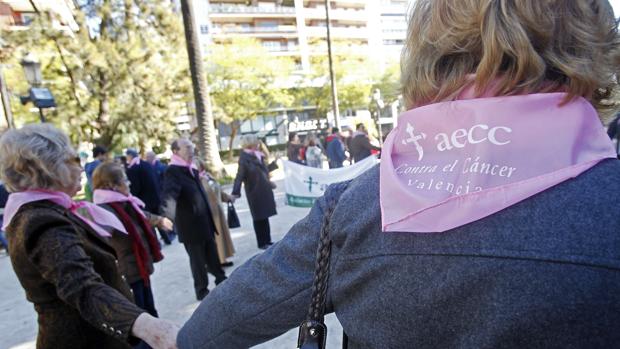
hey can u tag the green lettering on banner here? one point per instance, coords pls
(299, 201)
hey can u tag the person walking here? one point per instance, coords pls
(138, 248)
(186, 203)
(253, 173)
(61, 254)
(483, 226)
(335, 149)
(215, 195)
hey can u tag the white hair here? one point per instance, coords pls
(36, 157)
(249, 140)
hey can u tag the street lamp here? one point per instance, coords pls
(32, 70)
(41, 97)
(376, 96)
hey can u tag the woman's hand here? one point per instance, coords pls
(166, 224)
(159, 334)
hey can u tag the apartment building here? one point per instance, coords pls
(297, 28)
(17, 14)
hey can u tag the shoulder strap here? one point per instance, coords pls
(313, 332)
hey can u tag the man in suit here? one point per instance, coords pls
(186, 203)
(144, 186)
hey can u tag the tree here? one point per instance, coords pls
(354, 78)
(119, 81)
(246, 81)
(204, 114)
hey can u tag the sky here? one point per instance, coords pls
(616, 5)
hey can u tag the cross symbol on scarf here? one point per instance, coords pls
(414, 139)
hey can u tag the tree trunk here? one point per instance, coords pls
(235, 127)
(204, 116)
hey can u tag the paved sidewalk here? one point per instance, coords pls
(172, 283)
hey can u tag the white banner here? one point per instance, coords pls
(304, 184)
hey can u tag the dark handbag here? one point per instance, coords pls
(233, 219)
(313, 332)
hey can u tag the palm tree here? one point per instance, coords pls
(204, 115)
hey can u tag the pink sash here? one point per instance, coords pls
(102, 196)
(452, 163)
(98, 216)
(176, 160)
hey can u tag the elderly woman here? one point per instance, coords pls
(492, 219)
(138, 248)
(60, 250)
(253, 172)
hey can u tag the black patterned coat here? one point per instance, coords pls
(70, 274)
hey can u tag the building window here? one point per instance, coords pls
(204, 29)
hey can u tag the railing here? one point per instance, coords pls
(225, 8)
(277, 29)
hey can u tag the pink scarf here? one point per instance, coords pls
(98, 216)
(259, 155)
(133, 162)
(452, 163)
(102, 196)
(176, 160)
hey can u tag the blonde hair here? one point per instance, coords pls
(36, 156)
(108, 175)
(517, 47)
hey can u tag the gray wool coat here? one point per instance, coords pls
(544, 273)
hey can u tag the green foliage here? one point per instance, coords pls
(245, 80)
(119, 81)
(354, 78)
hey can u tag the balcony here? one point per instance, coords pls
(338, 32)
(232, 10)
(336, 14)
(282, 31)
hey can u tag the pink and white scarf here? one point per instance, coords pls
(103, 196)
(176, 160)
(452, 163)
(259, 154)
(98, 216)
(133, 162)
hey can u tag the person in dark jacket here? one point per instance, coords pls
(62, 259)
(137, 248)
(360, 146)
(100, 155)
(145, 186)
(294, 149)
(335, 149)
(433, 248)
(253, 172)
(186, 203)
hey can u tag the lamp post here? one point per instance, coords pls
(376, 96)
(41, 97)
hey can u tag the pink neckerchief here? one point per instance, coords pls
(259, 154)
(133, 162)
(176, 160)
(452, 163)
(103, 196)
(98, 216)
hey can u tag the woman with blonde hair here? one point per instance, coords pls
(491, 221)
(60, 250)
(253, 173)
(215, 197)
